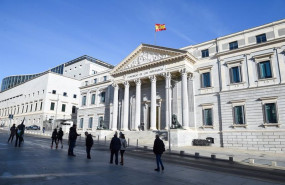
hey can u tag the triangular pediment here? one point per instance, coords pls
(146, 54)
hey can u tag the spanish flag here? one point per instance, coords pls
(159, 27)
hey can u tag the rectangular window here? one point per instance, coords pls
(104, 78)
(100, 122)
(52, 105)
(235, 74)
(36, 106)
(53, 91)
(93, 99)
(207, 117)
(73, 109)
(261, 38)
(95, 81)
(102, 100)
(86, 83)
(90, 122)
(63, 107)
(239, 117)
(23, 109)
(81, 123)
(64, 94)
(206, 79)
(83, 100)
(41, 107)
(27, 108)
(74, 96)
(233, 45)
(270, 113)
(205, 53)
(264, 70)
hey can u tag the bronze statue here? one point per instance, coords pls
(175, 122)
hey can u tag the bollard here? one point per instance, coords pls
(128, 141)
(273, 163)
(251, 161)
(137, 143)
(231, 159)
(105, 140)
(197, 155)
(213, 156)
(145, 147)
(182, 152)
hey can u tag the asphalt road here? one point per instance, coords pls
(36, 163)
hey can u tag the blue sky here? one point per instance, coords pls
(38, 35)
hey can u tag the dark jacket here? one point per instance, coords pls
(158, 146)
(89, 140)
(115, 144)
(72, 134)
(21, 129)
(59, 134)
(13, 130)
(54, 134)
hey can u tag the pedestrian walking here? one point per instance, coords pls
(59, 137)
(20, 133)
(115, 146)
(53, 138)
(89, 144)
(13, 133)
(44, 128)
(158, 149)
(72, 139)
(123, 147)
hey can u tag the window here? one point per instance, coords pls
(101, 122)
(93, 99)
(27, 108)
(205, 53)
(86, 83)
(206, 79)
(81, 123)
(233, 45)
(270, 113)
(207, 117)
(64, 94)
(53, 91)
(239, 117)
(235, 74)
(52, 105)
(90, 123)
(261, 38)
(73, 109)
(63, 107)
(264, 70)
(104, 78)
(102, 100)
(83, 100)
(74, 96)
(94, 72)
(95, 80)
(36, 106)
(41, 107)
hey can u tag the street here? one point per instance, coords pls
(36, 163)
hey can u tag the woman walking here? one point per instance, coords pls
(123, 147)
(53, 137)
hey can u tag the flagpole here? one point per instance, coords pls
(154, 37)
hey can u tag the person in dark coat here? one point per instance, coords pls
(53, 138)
(115, 146)
(59, 137)
(72, 139)
(20, 133)
(158, 149)
(89, 144)
(13, 133)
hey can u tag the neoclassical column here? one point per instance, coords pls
(153, 103)
(138, 103)
(191, 101)
(167, 100)
(97, 98)
(115, 107)
(126, 106)
(185, 107)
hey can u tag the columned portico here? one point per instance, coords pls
(168, 112)
(153, 103)
(138, 104)
(185, 106)
(115, 107)
(126, 107)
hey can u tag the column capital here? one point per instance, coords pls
(184, 71)
(190, 76)
(166, 75)
(114, 84)
(152, 78)
(127, 84)
(138, 81)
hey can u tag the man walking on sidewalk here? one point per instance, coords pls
(115, 146)
(72, 139)
(158, 149)
(89, 144)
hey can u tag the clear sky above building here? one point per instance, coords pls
(38, 35)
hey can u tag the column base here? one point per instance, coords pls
(124, 129)
(114, 129)
(185, 127)
(152, 128)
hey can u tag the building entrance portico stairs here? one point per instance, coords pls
(152, 84)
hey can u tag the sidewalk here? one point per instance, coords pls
(248, 157)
